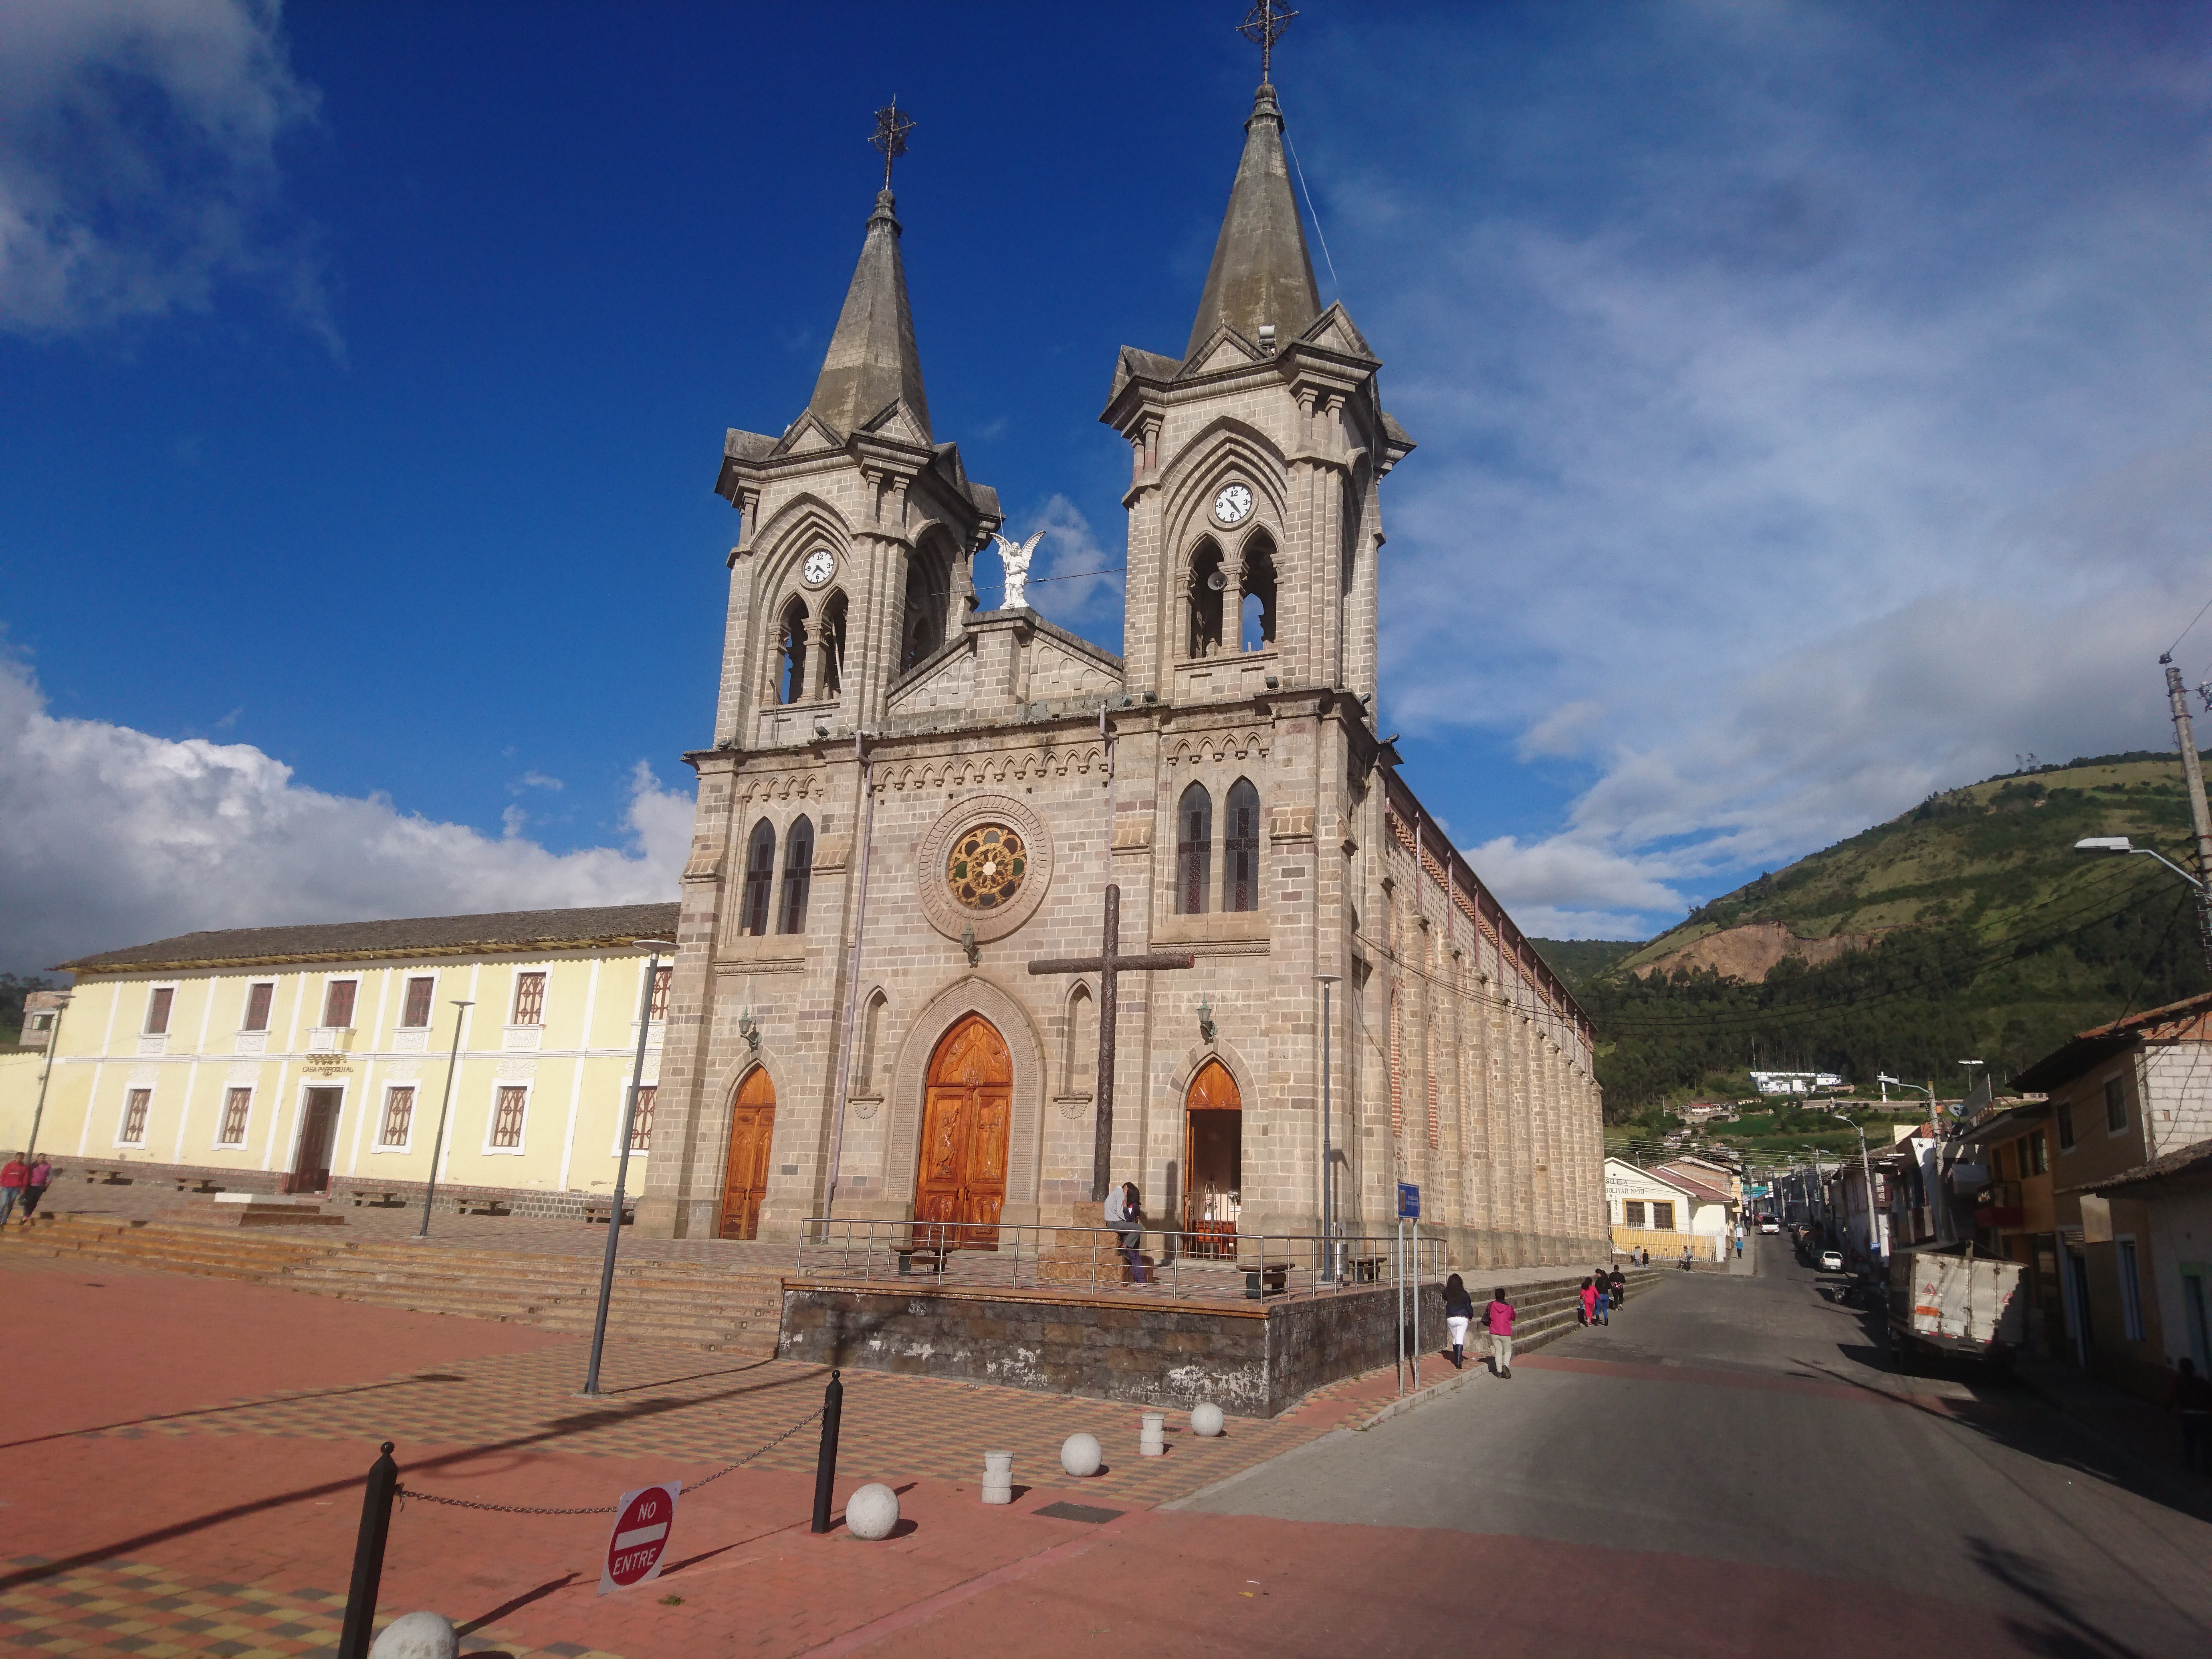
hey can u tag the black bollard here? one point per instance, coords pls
(369, 1557)
(825, 1466)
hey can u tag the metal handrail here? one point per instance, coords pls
(1025, 1256)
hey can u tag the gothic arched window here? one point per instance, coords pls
(927, 592)
(1194, 849)
(760, 876)
(797, 873)
(831, 675)
(1240, 848)
(1255, 614)
(791, 653)
(1080, 1061)
(1207, 582)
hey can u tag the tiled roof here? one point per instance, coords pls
(506, 929)
(2188, 1020)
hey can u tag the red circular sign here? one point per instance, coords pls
(641, 1535)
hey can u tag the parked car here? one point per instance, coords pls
(1767, 1223)
(1831, 1261)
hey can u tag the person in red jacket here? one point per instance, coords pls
(12, 1174)
(1497, 1320)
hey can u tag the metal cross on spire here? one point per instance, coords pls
(891, 129)
(1263, 26)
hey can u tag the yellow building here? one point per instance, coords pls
(1661, 1210)
(316, 1058)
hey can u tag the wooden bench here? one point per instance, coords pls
(379, 1198)
(108, 1175)
(933, 1258)
(1265, 1279)
(482, 1206)
(1366, 1269)
(599, 1209)
(197, 1184)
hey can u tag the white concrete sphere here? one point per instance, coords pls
(1205, 1419)
(872, 1512)
(416, 1636)
(1080, 1454)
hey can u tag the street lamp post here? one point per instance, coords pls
(437, 1140)
(1866, 1168)
(39, 1112)
(2123, 844)
(1327, 1168)
(622, 1167)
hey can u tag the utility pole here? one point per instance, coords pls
(2192, 773)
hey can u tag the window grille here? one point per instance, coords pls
(417, 1014)
(1194, 849)
(797, 873)
(236, 1104)
(135, 1105)
(398, 1117)
(1240, 849)
(1662, 1218)
(258, 998)
(1632, 1213)
(662, 977)
(507, 1116)
(529, 1000)
(641, 1125)
(157, 1011)
(337, 1003)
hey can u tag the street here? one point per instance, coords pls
(1748, 1422)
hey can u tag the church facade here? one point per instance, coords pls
(909, 799)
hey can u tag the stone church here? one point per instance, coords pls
(909, 799)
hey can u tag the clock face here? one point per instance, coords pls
(1234, 504)
(821, 565)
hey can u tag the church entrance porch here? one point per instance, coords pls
(311, 1164)
(1213, 1162)
(967, 1111)
(744, 1178)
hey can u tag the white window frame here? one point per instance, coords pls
(168, 1024)
(222, 1111)
(2127, 1267)
(529, 1087)
(247, 1001)
(323, 1012)
(123, 1119)
(383, 1111)
(405, 977)
(515, 992)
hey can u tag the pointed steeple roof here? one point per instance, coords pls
(872, 361)
(1261, 272)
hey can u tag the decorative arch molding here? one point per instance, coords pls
(714, 1135)
(804, 522)
(974, 993)
(1239, 1068)
(1224, 445)
(967, 771)
(1214, 748)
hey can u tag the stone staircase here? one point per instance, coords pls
(1551, 1309)
(735, 1309)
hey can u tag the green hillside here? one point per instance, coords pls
(1579, 961)
(1964, 928)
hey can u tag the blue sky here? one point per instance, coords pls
(1813, 406)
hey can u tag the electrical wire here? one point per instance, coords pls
(1316, 217)
(2177, 638)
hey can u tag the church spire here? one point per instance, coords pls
(1261, 272)
(872, 361)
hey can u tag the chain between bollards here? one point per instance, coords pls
(825, 1466)
(369, 1557)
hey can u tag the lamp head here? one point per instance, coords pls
(2104, 844)
(654, 943)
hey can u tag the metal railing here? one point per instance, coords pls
(1262, 1267)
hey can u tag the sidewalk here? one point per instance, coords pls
(2125, 1422)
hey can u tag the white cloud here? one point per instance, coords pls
(138, 165)
(111, 836)
(1074, 581)
(1831, 416)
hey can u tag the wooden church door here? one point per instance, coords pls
(745, 1182)
(1213, 1161)
(966, 1115)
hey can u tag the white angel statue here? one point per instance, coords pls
(1015, 558)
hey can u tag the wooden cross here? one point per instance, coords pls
(1109, 965)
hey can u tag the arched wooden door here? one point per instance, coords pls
(744, 1179)
(1213, 1161)
(965, 1118)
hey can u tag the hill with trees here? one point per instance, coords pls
(1965, 928)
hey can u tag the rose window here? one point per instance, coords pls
(985, 866)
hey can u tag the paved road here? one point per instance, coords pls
(1746, 1424)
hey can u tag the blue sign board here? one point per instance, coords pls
(1409, 1201)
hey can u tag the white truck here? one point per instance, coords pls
(1952, 1301)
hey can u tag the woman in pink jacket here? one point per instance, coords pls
(1497, 1320)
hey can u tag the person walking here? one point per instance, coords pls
(12, 1176)
(2191, 1399)
(1588, 1297)
(1132, 1235)
(1618, 1283)
(1459, 1314)
(1602, 1308)
(1497, 1320)
(35, 1182)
